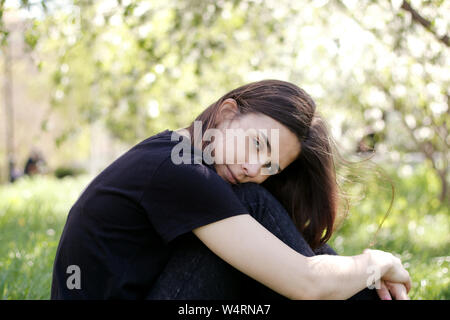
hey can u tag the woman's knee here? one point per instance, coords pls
(269, 212)
(325, 249)
(256, 198)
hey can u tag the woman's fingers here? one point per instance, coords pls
(383, 291)
(407, 282)
(401, 275)
(392, 290)
(398, 290)
(391, 268)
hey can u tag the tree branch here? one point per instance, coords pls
(424, 22)
(421, 145)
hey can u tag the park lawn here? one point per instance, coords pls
(33, 212)
(32, 215)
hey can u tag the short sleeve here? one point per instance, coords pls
(183, 197)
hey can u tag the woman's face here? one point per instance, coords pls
(253, 147)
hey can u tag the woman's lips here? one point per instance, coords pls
(230, 176)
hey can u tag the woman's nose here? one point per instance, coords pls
(251, 170)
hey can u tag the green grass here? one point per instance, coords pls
(32, 216)
(33, 213)
(417, 229)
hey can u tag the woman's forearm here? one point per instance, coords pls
(338, 277)
(246, 245)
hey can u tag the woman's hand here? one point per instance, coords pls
(390, 267)
(391, 290)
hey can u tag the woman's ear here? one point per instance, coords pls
(227, 110)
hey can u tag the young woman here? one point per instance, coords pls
(222, 225)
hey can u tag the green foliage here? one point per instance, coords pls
(32, 214)
(3, 31)
(62, 172)
(139, 67)
(31, 36)
(417, 229)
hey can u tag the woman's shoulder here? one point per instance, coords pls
(177, 156)
(170, 161)
(140, 161)
(154, 149)
(183, 172)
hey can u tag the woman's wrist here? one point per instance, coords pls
(378, 261)
(339, 277)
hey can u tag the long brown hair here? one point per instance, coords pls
(307, 188)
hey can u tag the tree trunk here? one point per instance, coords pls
(444, 197)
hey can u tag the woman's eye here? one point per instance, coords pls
(257, 144)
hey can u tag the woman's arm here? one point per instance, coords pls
(339, 275)
(249, 247)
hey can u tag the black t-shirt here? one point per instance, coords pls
(119, 233)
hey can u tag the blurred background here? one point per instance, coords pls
(83, 81)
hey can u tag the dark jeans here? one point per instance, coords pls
(195, 272)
